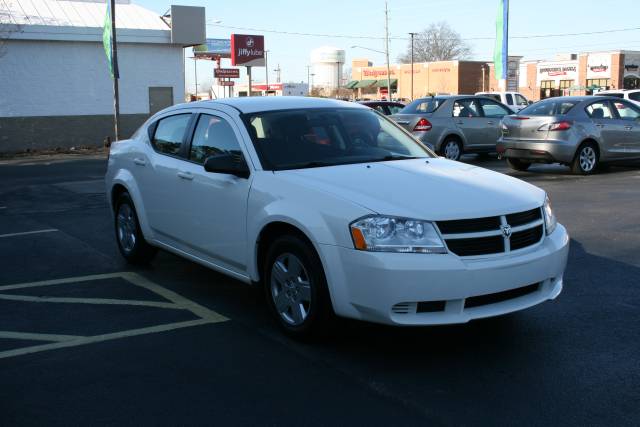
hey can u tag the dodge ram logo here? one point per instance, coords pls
(506, 231)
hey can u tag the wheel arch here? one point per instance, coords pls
(122, 182)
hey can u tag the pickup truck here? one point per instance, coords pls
(515, 100)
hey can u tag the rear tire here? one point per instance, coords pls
(131, 243)
(517, 164)
(296, 288)
(451, 149)
(586, 160)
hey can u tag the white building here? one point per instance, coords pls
(56, 89)
(327, 63)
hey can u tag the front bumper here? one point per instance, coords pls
(420, 289)
(548, 151)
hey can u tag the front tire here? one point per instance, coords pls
(131, 243)
(296, 288)
(586, 160)
(517, 164)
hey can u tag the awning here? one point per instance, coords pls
(364, 83)
(383, 83)
(352, 84)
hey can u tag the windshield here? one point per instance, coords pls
(424, 105)
(548, 108)
(296, 139)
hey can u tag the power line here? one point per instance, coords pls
(353, 36)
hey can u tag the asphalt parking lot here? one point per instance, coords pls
(87, 339)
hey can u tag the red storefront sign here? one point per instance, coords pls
(227, 83)
(226, 73)
(247, 50)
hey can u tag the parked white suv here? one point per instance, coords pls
(334, 209)
(632, 95)
(515, 100)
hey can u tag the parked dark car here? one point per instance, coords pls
(581, 132)
(385, 107)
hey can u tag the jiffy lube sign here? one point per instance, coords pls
(247, 50)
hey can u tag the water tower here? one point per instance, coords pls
(327, 63)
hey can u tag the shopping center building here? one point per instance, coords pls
(567, 74)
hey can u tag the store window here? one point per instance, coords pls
(631, 82)
(564, 87)
(595, 85)
(548, 89)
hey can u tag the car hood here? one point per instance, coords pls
(430, 189)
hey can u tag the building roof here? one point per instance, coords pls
(78, 13)
(81, 20)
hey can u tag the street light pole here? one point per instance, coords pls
(386, 47)
(266, 68)
(308, 81)
(412, 34)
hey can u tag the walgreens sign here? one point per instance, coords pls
(247, 50)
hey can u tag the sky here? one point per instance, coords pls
(474, 20)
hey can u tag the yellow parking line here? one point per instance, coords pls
(25, 233)
(107, 301)
(101, 338)
(37, 337)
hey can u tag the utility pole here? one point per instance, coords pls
(338, 80)
(266, 68)
(278, 70)
(116, 71)
(386, 47)
(308, 79)
(412, 34)
(195, 70)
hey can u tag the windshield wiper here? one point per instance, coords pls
(394, 157)
(313, 164)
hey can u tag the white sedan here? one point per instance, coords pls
(334, 210)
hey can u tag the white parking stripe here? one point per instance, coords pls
(37, 337)
(105, 337)
(24, 233)
(108, 301)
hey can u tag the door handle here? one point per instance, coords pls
(489, 123)
(459, 122)
(600, 125)
(140, 162)
(186, 175)
(628, 127)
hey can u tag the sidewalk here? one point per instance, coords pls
(54, 156)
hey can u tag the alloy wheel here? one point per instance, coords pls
(290, 289)
(588, 158)
(127, 228)
(452, 150)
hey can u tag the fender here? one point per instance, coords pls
(126, 179)
(449, 131)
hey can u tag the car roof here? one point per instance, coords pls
(256, 104)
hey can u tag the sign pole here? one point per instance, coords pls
(116, 76)
(249, 75)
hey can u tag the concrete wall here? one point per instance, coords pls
(54, 88)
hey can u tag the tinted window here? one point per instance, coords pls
(380, 108)
(393, 109)
(521, 101)
(635, 96)
(425, 105)
(169, 134)
(493, 109)
(466, 108)
(213, 136)
(548, 108)
(626, 111)
(509, 99)
(599, 110)
(324, 137)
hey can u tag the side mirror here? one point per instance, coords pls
(530, 102)
(232, 164)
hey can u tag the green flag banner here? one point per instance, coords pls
(107, 42)
(500, 51)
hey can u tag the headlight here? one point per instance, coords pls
(391, 234)
(550, 220)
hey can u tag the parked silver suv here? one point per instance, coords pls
(453, 125)
(580, 132)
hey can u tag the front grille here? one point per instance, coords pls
(488, 236)
(477, 246)
(522, 218)
(430, 306)
(525, 238)
(469, 225)
(500, 296)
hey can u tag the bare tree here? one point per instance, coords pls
(438, 42)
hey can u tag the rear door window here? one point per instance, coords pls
(599, 110)
(466, 108)
(493, 109)
(168, 137)
(548, 108)
(418, 106)
(509, 99)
